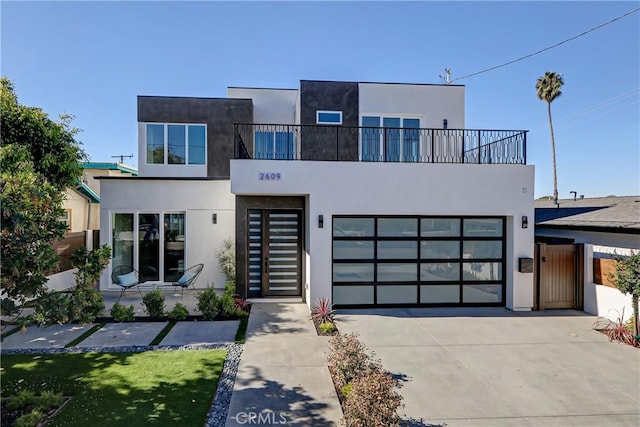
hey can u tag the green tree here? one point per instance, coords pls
(627, 280)
(40, 159)
(548, 89)
(55, 153)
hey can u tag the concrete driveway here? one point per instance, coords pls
(493, 367)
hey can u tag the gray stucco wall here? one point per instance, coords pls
(218, 114)
(321, 144)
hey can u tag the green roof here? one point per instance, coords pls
(111, 166)
(83, 189)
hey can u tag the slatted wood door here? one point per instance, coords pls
(275, 252)
(557, 276)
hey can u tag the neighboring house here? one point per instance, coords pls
(82, 203)
(607, 227)
(607, 221)
(371, 194)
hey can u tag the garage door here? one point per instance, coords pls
(418, 261)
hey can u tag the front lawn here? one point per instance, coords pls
(160, 388)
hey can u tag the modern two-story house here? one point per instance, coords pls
(371, 194)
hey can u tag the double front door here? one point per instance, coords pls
(275, 252)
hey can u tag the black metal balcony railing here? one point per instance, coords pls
(374, 144)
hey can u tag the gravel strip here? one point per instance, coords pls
(217, 415)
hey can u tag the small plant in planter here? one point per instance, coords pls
(322, 313)
(154, 304)
(617, 330)
(178, 312)
(209, 304)
(121, 313)
(327, 328)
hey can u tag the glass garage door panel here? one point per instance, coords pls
(283, 255)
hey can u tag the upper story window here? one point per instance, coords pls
(176, 144)
(328, 117)
(390, 138)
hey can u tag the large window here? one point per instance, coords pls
(152, 243)
(176, 144)
(418, 260)
(391, 139)
(275, 145)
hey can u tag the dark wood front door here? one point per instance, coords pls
(275, 252)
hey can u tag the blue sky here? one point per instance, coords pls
(92, 59)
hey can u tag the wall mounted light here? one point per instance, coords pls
(214, 218)
(525, 222)
(320, 221)
(445, 123)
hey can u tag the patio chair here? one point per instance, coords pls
(188, 278)
(125, 277)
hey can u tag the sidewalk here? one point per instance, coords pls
(283, 376)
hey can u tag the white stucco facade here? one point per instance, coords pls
(433, 103)
(198, 199)
(353, 188)
(277, 106)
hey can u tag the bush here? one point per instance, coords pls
(349, 359)
(327, 327)
(372, 401)
(178, 312)
(209, 304)
(52, 307)
(154, 304)
(323, 312)
(87, 303)
(120, 313)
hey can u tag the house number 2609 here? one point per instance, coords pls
(269, 176)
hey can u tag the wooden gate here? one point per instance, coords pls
(558, 276)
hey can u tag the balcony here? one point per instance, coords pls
(376, 144)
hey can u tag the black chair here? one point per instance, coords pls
(189, 278)
(125, 277)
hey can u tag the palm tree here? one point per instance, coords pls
(548, 89)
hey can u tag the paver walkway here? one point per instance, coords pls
(283, 377)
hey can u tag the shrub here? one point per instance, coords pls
(154, 304)
(23, 399)
(349, 359)
(327, 327)
(208, 303)
(372, 401)
(323, 312)
(87, 303)
(227, 259)
(32, 419)
(178, 312)
(120, 313)
(52, 307)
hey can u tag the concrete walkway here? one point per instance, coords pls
(493, 367)
(283, 377)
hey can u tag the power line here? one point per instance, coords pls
(548, 48)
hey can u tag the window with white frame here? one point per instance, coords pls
(176, 144)
(328, 117)
(390, 138)
(66, 219)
